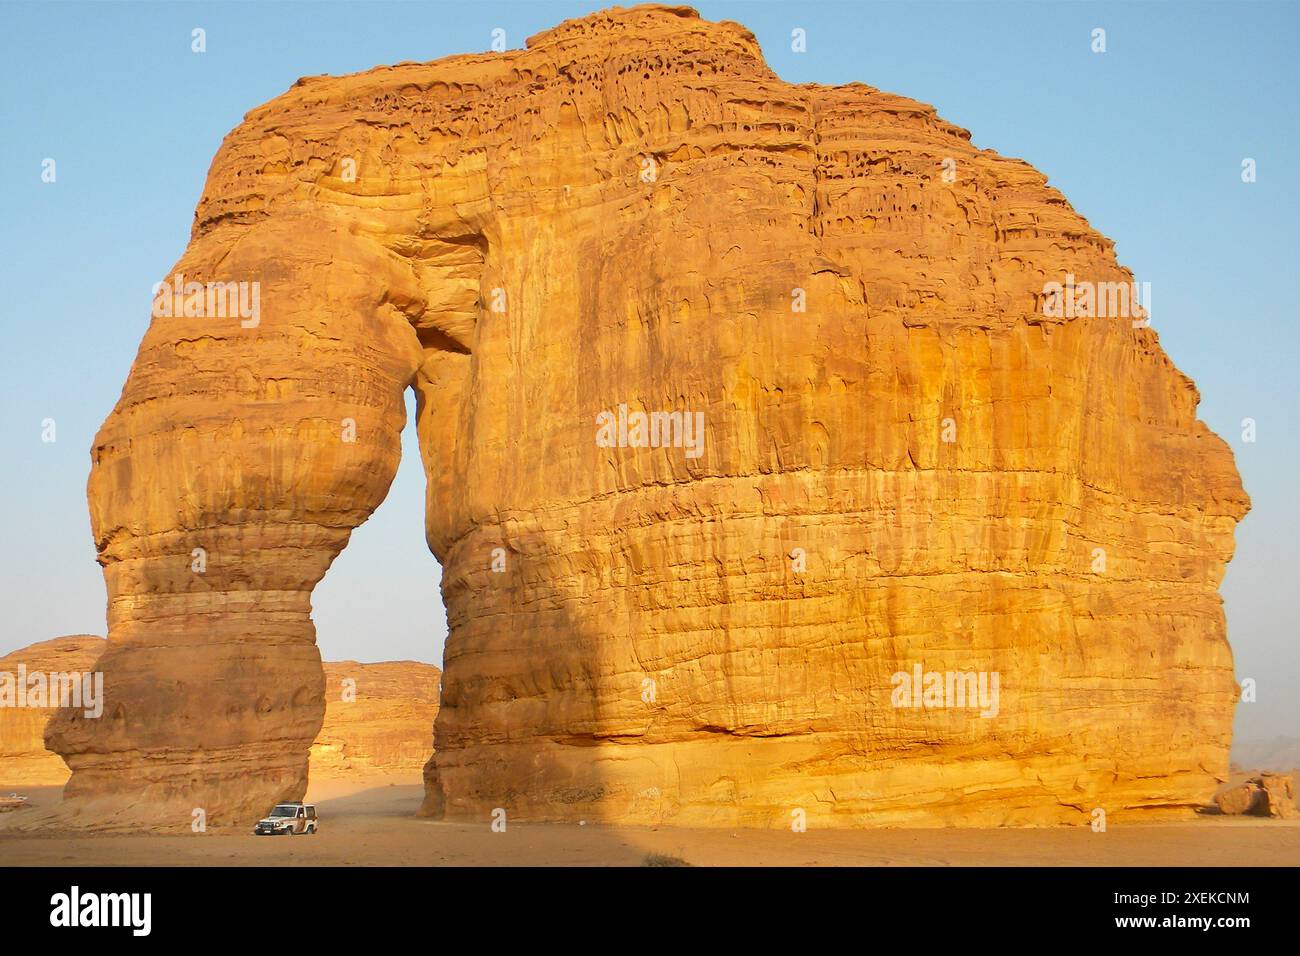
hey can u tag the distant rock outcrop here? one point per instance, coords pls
(1279, 753)
(24, 759)
(378, 717)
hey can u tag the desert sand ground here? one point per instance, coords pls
(371, 821)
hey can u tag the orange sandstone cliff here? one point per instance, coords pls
(890, 457)
(378, 718)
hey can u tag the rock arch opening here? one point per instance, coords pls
(381, 627)
(381, 599)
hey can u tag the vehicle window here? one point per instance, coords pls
(301, 813)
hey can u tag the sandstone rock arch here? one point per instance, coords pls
(622, 214)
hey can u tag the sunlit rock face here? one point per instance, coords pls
(884, 454)
(34, 680)
(378, 719)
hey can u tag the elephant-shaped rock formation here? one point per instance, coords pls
(767, 477)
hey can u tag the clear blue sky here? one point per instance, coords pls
(1145, 140)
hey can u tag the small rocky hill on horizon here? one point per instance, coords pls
(1277, 753)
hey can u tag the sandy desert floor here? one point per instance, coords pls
(372, 822)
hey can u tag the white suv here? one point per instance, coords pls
(287, 819)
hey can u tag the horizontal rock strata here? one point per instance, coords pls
(24, 760)
(378, 717)
(909, 458)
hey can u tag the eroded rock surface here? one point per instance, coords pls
(1265, 795)
(1279, 794)
(378, 718)
(24, 760)
(920, 468)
